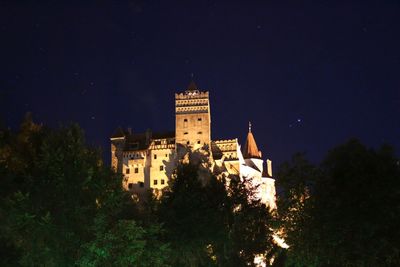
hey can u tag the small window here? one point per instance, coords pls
(185, 120)
(199, 132)
(187, 142)
(130, 185)
(136, 170)
(166, 155)
(161, 168)
(185, 133)
(141, 184)
(185, 123)
(155, 182)
(198, 142)
(162, 181)
(157, 143)
(199, 119)
(127, 171)
(155, 156)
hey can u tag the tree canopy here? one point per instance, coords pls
(59, 202)
(343, 211)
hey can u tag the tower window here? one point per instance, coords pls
(185, 123)
(155, 182)
(127, 171)
(161, 168)
(136, 170)
(155, 156)
(162, 181)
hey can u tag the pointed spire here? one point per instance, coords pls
(192, 86)
(250, 148)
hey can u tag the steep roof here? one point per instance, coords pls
(192, 86)
(250, 148)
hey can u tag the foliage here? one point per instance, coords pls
(350, 214)
(55, 193)
(210, 224)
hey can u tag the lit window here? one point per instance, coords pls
(162, 181)
(130, 185)
(155, 182)
(127, 171)
(155, 156)
(161, 168)
(136, 170)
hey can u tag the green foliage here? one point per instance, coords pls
(126, 244)
(209, 224)
(350, 214)
(58, 200)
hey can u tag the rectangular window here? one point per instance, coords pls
(127, 171)
(161, 168)
(130, 185)
(136, 170)
(155, 182)
(185, 123)
(162, 181)
(185, 133)
(155, 156)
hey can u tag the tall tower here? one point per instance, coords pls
(192, 117)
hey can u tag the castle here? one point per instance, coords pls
(148, 159)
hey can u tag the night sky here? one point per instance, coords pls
(308, 76)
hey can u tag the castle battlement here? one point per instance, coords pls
(189, 94)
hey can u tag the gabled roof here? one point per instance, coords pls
(250, 148)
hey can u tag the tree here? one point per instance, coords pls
(352, 213)
(57, 199)
(211, 223)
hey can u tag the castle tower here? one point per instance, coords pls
(192, 117)
(117, 146)
(251, 154)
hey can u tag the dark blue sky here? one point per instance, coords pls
(308, 76)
